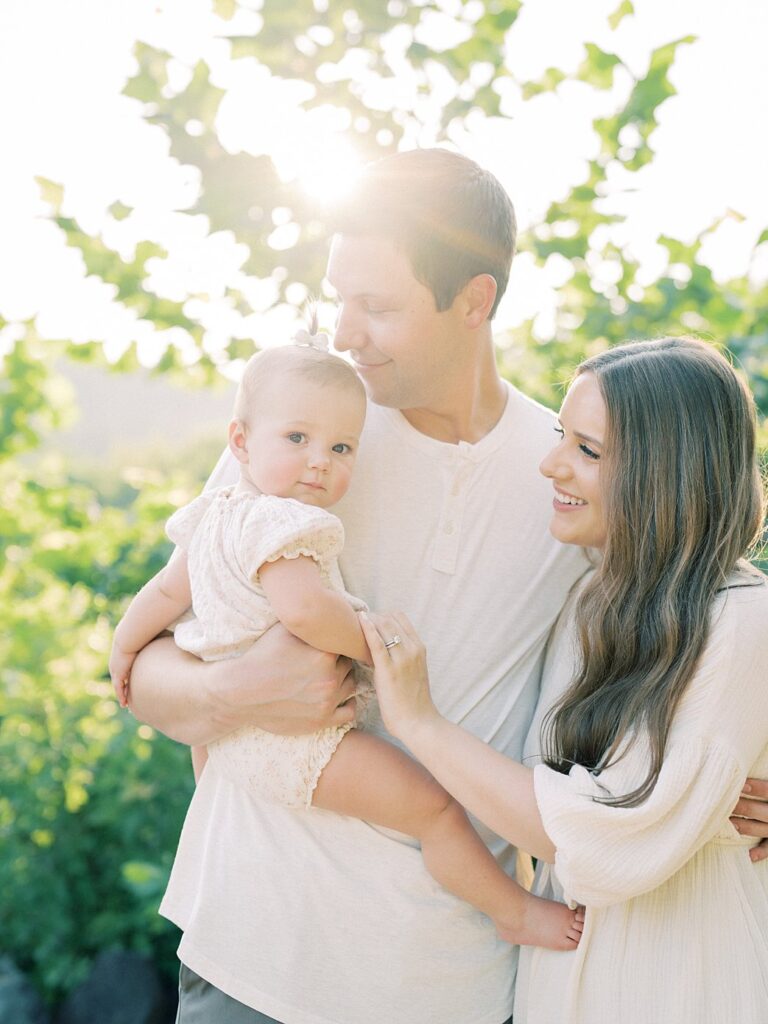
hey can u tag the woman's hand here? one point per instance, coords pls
(400, 673)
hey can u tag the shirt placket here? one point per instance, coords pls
(446, 548)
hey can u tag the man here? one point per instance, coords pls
(313, 918)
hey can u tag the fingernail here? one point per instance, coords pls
(747, 788)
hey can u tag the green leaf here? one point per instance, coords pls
(51, 192)
(548, 82)
(625, 8)
(152, 77)
(597, 68)
(119, 210)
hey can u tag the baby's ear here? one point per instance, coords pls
(238, 441)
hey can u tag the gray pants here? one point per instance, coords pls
(202, 1003)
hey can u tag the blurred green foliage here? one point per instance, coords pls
(90, 802)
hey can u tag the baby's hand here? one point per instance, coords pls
(120, 664)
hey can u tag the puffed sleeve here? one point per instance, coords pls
(181, 527)
(610, 854)
(284, 528)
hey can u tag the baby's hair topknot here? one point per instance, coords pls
(322, 368)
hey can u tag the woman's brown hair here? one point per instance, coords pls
(683, 505)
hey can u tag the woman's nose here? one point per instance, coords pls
(551, 465)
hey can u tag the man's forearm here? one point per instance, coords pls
(172, 691)
(280, 685)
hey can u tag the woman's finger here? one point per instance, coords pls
(404, 627)
(374, 639)
(394, 627)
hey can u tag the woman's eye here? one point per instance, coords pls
(589, 452)
(295, 437)
(560, 431)
(341, 449)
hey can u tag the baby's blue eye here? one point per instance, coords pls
(341, 449)
(295, 437)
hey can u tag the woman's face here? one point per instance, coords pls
(573, 466)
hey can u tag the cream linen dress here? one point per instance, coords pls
(676, 927)
(228, 536)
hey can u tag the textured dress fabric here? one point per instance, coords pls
(676, 927)
(228, 536)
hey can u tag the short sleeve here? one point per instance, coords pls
(181, 527)
(283, 528)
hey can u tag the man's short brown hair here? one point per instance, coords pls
(449, 216)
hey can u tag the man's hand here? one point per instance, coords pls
(751, 816)
(280, 684)
(307, 689)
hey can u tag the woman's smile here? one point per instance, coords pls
(566, 502)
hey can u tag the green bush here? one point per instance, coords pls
(91, 802)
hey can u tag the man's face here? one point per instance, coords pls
(403, 348)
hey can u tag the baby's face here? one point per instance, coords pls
(302, 441)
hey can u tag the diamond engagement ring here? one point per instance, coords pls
(396, 639)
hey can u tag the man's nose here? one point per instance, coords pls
(349, 332)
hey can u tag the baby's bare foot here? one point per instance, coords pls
(543, 923)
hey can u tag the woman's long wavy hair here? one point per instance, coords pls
(683, 504)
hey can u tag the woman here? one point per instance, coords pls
(656, 684)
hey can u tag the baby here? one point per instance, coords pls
(266, 550)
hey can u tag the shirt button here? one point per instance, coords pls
(449, 528)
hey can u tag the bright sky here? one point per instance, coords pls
(64, 63)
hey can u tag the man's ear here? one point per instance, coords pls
(479, 296)
(238, 441)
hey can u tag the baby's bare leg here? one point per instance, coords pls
(371, 779)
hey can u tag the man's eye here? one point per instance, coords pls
(295, 437)
(341, 449)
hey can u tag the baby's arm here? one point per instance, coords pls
(311, 611)
(155, 607)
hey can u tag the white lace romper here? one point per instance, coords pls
(227, 538)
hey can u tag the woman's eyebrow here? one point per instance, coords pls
(586, 437)
(577, 433)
